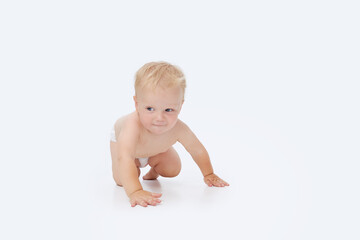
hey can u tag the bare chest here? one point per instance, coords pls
(151, 146)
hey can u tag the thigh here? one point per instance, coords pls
(170, 158)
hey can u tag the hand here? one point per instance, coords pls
(144, 198)
(213, 180)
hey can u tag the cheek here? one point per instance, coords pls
(148, 118)
(145, 118)
(173, 118)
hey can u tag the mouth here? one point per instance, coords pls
(159, 125)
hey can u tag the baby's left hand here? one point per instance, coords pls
(213, 180)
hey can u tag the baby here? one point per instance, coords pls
(146, 136)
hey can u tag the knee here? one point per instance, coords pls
(176, 172)
(172, 172)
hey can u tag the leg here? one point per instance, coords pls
(115, 165)
(165, 164)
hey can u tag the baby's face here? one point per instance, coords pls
(158, 110)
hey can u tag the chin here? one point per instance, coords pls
(159, 130)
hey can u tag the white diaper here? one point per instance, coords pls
(112, 135)
(143, 161)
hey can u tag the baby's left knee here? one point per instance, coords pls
(172, 171)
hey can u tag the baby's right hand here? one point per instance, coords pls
(144, 198)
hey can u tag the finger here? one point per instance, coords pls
(133, 203)
(211, 183)
(143, 203)
(153, 202)
(149, 201)
(208, 182)
(219, 183)
(224, 183)
(156, 200)
(157, 195)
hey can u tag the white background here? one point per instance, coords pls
(273, 93)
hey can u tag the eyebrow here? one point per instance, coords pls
(167, 106)
(170, 104)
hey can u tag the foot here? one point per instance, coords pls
(151, 175)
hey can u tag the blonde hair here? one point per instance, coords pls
(155, 74)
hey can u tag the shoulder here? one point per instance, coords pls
(128, 126)
(180, 125)
(189, 140)
(181, 129)
(128, 134)
(131, 119)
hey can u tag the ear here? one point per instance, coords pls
(136, 103)
(181, 105)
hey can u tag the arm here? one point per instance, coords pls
(198, 152)
(125, 166)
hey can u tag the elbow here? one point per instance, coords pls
(124, 157)
(117, 179)
(118, 167)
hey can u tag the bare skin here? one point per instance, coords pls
(150, 132)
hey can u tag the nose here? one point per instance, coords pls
(159, 118)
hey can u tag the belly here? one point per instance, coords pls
(151, 149)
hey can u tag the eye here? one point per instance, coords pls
(169, 110)
(150, 109)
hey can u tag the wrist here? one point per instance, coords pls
(208, 174)
(132, 192)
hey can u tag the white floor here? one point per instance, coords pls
(273, 94)
(275, 193)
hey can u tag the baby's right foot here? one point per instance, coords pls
(151, 175)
